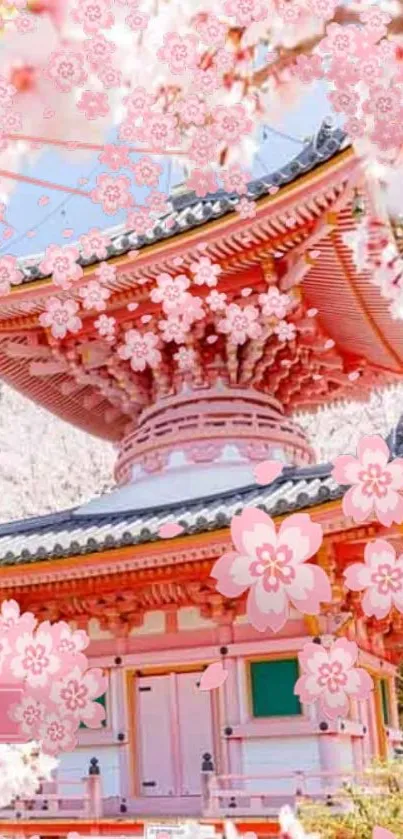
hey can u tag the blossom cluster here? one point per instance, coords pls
(58, 690)
(273, 568)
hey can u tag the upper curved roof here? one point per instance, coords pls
(188, 211)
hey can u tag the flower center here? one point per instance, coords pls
(274, 565)
(331, 676)
(387, 579)
(375, 481)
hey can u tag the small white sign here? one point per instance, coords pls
(179, 830)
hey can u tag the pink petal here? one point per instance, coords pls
(372, 444)
(343, 472)
(311, 535)
(267, 471)
(214, 676)
(320, 593)
(382, 833)
(356, 505)
(262, 619)
(355, 576)
(222, 573)
(246, 522)
(169, 530)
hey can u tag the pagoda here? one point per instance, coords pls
(193, 407)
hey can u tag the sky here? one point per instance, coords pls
(77, 213)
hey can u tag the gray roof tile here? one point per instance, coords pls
(71, 533)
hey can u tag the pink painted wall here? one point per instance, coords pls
(175, 723)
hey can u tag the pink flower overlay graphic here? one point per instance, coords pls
(331, 678)
(377, 482)
(380, 577)
(273, 566)
(48, 662)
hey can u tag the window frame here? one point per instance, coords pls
(291, 656)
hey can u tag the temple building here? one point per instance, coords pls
(188, 439)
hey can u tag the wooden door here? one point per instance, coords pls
(195, 730)
(154, 732)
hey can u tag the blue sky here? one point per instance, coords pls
(77, 213)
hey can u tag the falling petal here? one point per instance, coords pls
(213, 677)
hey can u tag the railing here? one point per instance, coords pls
(263, 795)
(83, 799)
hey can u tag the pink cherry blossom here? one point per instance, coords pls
(57, 733)
(112, 192)
(285, 331)
(93, 105)
(231, 123)
(106, 327)
(9, 273)
(157, 202)
(203, 147)
(98, 51)
(340, 40)
(330, 677)
(274, 303)
(235, 179)
(70, 642)
(62, 264)
(179, 52)
(95, 243)
(170, 291)
(24, 24)
(272, 565)
(13, 622)
(115, 157)
(137, 101)
(308, 68)
(61, 317)
(205, 272)
(211, 30)
(322, 8)
(202, 182)
(346, 100)
(192, 109)
(29, 713)
(380, 577)
(246, 11)
(246, 209)
(74, 696)
(65, 68)
(193, 310)
(140, 220)
(217, 301)
(376, 21)
(240, 323)
(160, 131)
(7, 93)
(36, 659)
(94, 296)
(137, 21)
(173, 329)
(105, 272)
(377, 483)
(93, 15)
(140, 349)
(110, 76)
(206, 81)
(146, 172)
(185, 358)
